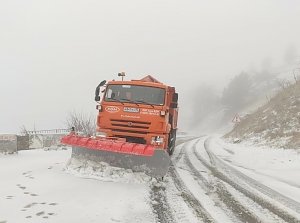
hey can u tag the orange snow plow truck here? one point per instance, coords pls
(136, 126)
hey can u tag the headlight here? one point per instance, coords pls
(157, 140)
(99, 107)
(162, 113)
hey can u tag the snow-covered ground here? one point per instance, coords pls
(209, 181)
(275, 168)
(35, 187)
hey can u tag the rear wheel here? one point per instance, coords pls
(171, 141)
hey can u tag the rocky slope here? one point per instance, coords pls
(277, 123)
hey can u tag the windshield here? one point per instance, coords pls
(135, 94)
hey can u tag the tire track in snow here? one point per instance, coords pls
(186, 194)
(189, 198)
(180, 210)
(218, 172)
(223, 196)
(294, 205)
(160, 206)
(159, 203)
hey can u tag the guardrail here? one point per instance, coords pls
(49, 131)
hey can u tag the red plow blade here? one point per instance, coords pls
(112, 145)
(118, 153)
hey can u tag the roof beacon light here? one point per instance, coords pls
(122, 74)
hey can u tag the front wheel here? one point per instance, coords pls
(171, 141)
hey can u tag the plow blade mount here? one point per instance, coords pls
(137, 157)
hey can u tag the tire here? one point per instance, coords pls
(171, 141)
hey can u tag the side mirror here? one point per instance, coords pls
(102, 83)
(97, 97)
(175, 97)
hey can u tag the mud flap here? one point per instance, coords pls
(155, 166)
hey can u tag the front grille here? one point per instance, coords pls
(124, 125)
(130, 131)
(137, 122)
(138, 125)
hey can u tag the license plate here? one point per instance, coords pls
(133, 110)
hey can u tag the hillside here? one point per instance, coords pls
(276, 124)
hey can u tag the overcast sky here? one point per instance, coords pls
(54, 53)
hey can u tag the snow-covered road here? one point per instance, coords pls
(209, 181)
(204, 185)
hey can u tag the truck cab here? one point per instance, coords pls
(139, 111)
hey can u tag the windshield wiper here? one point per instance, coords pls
(128, 100)
(114, 99)
(144, 102)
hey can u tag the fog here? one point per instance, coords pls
(54, 53)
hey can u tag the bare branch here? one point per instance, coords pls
(84, 124)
